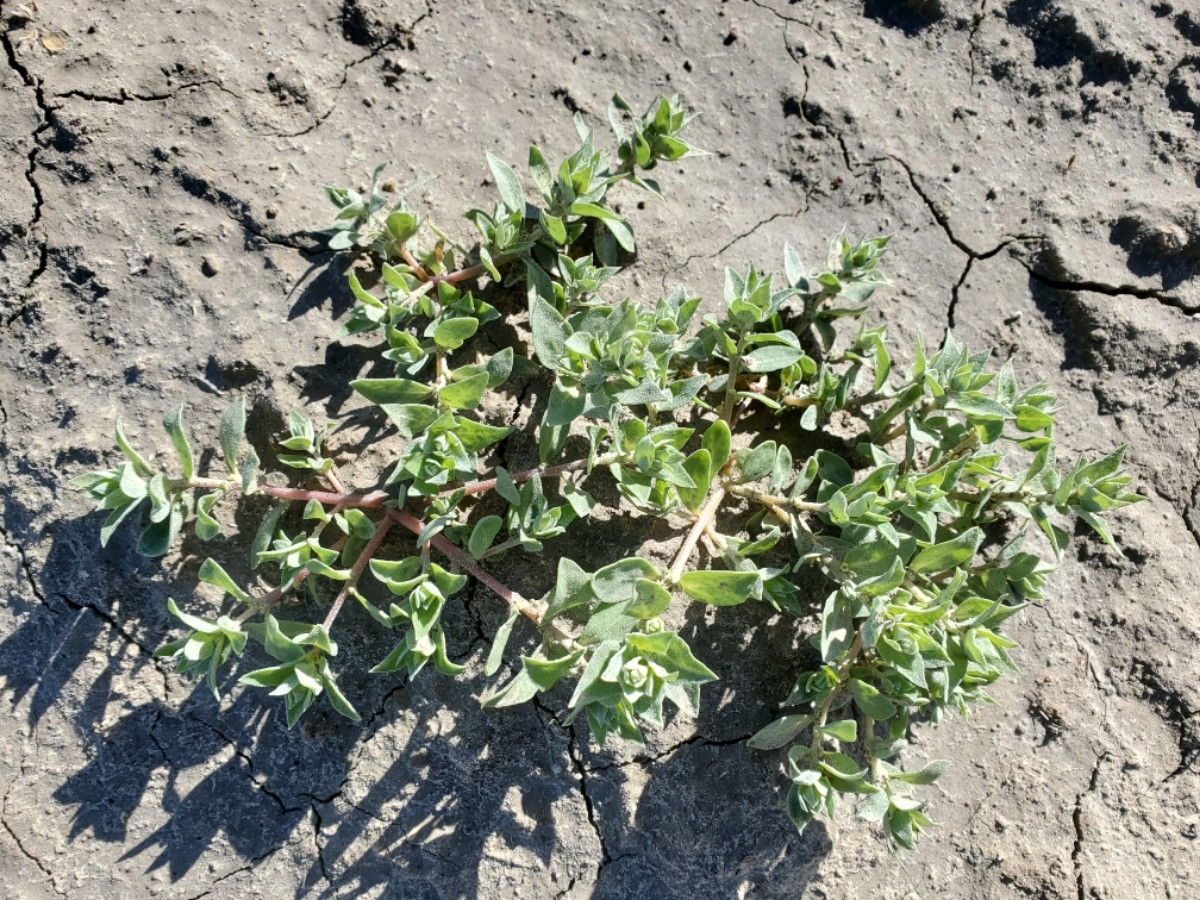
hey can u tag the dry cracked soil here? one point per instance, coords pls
(1038, 162)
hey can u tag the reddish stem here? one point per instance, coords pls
(463, 275)
(276, 594)
(373, 500)
(357, 569)
(489, 484)
(463, 560)
(412, 263)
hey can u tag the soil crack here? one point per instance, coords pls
(249, 761)
(246, 868)
(1077, 821)
(686, 742)
(779, 15)
(1172, 707)
(24, 850)
(976, 21)
(1111, 290)
(39, 201)
(589, 804)
(126, 96)
(405, 33)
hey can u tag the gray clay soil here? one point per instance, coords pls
(1038, 163)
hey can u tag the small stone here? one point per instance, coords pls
(209, 266)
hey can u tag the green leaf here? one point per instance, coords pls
(441, 661)
(572, 588)
(278, 644)
(580, 500)
(249, 471)
(622, 232)
(907, 663)
(496, 655)
(521, 689)
(173, 423)
(476, 436)
(948, 554)
(451, 334)
(607, 624)
(464, 394)
(617, 583)
(793, 266)
(336, 698)
(506, 487)
(233, 430)
(157, 537)
(716, 441)
(844, 730)
(391, 390)
(499, 366)
(873, 807)
(699, 468)
(410, 419)
(485, 259)
(927, 774)
(212, 573)
(719, 588)
(757, 462)
(671, 652)
(870, 701)
(402, 226)
(545, 673)
(139, 464)
(507, 184)
(779, 733)
(207, 527)
(272, 676)
(196, 623)
(554, 227)
(771, 358)
(539, 170)
(594, 211)
(549, 333)
(566, 404)
(265, 534)
(651, 598)
(482, 535)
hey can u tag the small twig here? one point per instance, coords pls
(357, 569)
(373, 500)
(703, 518)
(489, 484)
(463, 560)
(334, 480)
(412, 263)
(272, 597)
(823, 713)
(739, 490)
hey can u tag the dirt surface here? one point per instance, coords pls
(1039, 166)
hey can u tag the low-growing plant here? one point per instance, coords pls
(907, 493)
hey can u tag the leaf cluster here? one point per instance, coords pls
(917, 531)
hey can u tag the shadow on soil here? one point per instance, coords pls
(419, 798)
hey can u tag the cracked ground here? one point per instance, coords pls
(1038, 164)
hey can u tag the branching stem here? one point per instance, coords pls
(489, 484)
(272, 597)
(739, 490)
(357, 569)
(463, 560)
(703, 519)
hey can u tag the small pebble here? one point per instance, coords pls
(209, 266)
